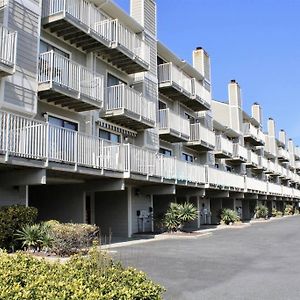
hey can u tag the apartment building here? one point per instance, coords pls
(101, 123)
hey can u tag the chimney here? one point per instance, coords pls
(291, 146)
(201, 62)
(235, 106)
(282, 136)
(257, 112)
(271, 127)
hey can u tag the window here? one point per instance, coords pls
(45, 47)
(187, 157)
(109, 136)
(62, 123)
(190, 118)
(165, 152)
(162, 105)
(113, 80)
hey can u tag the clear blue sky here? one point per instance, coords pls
(256, 42)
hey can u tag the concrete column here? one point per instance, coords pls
(129, 210)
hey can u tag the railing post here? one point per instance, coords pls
(47, 144)
(7, 137)
(65, 7)
(51, 67)
(76, 150)
(79, 81)
(127, 160)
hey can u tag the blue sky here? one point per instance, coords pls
(256, 42)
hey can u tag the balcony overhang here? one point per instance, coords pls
(196, 103)
(222, 154)
(175, 92)
(172, 136)
(6, 69)
(200, 145)
(237, 160)
(253, 140)
(64, 97)
(127, 119)
(78, 34)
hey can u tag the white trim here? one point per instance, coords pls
(26, 195)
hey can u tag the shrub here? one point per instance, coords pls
(35, 237)
(279, 213)
(82, 278)
(261, 211)
(12, 219)
(296, 211)
(178, 215)
(229, 216)
(288, 210)
(274, 212)
(69, 238)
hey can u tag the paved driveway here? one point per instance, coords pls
(257, 262)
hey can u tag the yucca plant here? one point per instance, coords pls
(179, 214)
(261, 211)
(229, 216)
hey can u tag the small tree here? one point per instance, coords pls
(261, 211)
(229, 216)
(179, 214)
(288, 210)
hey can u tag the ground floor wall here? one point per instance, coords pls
(13, 195)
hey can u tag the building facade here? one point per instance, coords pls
(101, 123)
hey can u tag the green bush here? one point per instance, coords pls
(179, 214)
(69, 238)
(288, 210)
(229, 216)
(296, 211)
(274, 212)
(12, 219)
(279, 213)
(95, 277)
(261, 212)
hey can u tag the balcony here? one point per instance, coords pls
(174, 83)
(127, 107)
(240, 154)
(270, 148)
(297, 153)
(224, 180)
(274, 189)
(253, 160)
(287, 191)
(283, 155)
(201, 96)
(83, 25)
(67, 84)
(8, 49)
(272, 168)
(201, 139)
(263, 163)
(172, 127)
(256, 185)
(297, 165)
(253, 135)
(224, 147)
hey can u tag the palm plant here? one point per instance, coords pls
(229, 216)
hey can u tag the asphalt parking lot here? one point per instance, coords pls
(261, 261)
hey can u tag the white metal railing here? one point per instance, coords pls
(296, 193)
(222, 178)
(224, 144)
(169, 73)
(240, 152)
(274, 188)
(253, 158)
(297, 152)
(199, 90)
(272, 167)
(108, 29)
(123, 97)
(256, 185)
(263, 162)
(283, 153)
(8, 46)
(55, 68)
(170, 120)
(287, 191)
(269, 146)
(253, 131)
(201, 133)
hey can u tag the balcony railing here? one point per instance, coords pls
(270, 147)
(110, 33)
(240, 153)
(202, 135)
(263, 163)
(25, 138)
(201, 94)
(57, 71)
(8, 49)
(254, 133)
(224, 147)
(297, 153)
(121, 99)
(222, 179)
(254, 184)
(173, 124)
(283, 154)
(253, 159)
